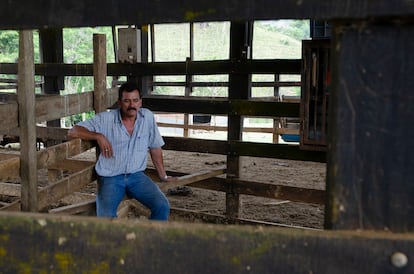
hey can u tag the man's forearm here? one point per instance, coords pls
(83, 133)
(157, 160)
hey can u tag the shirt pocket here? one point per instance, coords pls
(141, 142)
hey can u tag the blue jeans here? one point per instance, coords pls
(111, 191)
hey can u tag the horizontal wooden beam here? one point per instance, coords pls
(280, 151)
(9, 115)
(9, 168)
(223, 106)
(50, 107)
(82, 207)
(71, 13)
(56, 191)
(10, 189)
(194, 177)
(266, 190)
(274, 66)
(66, 246)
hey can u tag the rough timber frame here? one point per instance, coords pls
(370, 180)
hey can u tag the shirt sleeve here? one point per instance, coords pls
(92, 124)
(156, 140)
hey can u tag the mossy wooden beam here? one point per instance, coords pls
(36, 243)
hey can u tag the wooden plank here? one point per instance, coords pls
(279, 66)
(27, 125)
(61, 188)
(280, 151)
(369, 175)
(9, 115)
(219, 128)
(54, 154)
(50, 107)
(123, 209)
(10, 189)
(66, 186)
(71, 165)
(221, 106)
(10, 168)
(223, 249)
(273, 191)
(69, 13)
(82, 207)
(194, 177)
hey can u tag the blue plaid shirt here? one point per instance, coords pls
(130, 152)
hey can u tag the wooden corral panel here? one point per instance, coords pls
(55, 157)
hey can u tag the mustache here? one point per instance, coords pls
(132, 108)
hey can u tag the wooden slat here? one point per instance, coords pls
(71, 165)
(54, 154)
(66, 186)
(82, 207)
(10, 169)
(50, 107)
(123, 209)
(274, 191)
(10, 189)
(191, 178)
(220, 128)
(60, 189)
(280, 151)
(275, 66)
(8, 114)
(221, 106)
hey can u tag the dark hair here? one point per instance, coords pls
(128, 87)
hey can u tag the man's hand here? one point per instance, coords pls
(167, 179)
(105, 146)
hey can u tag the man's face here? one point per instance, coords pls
(130, 103)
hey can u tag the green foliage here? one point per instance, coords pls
(9, 46)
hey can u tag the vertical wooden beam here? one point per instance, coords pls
(276, 121)
(27, 123)
(239, 88)
(144, 80)
(51, 51)
(99, 72)
(370, 178)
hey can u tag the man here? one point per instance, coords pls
(124, 136)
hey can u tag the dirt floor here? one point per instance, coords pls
(264, 170)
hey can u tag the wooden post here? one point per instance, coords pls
(370, 178)
(239, 88)
(27, 122)
(51, 51)
(99, 72)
